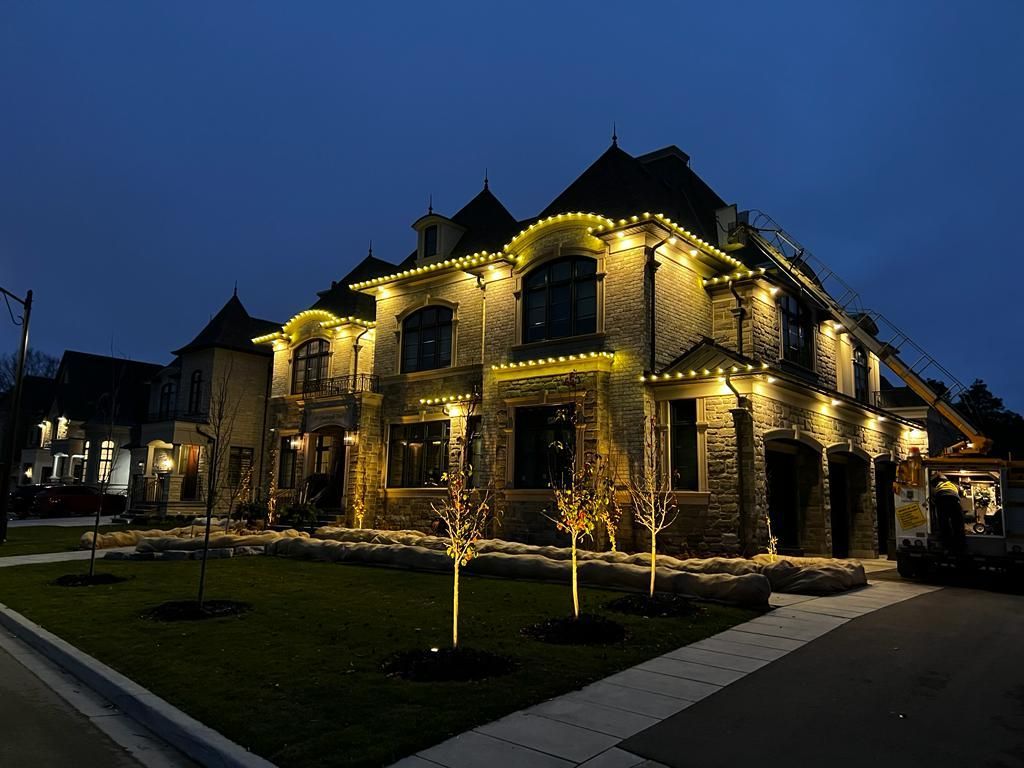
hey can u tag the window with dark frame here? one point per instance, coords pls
(797, 327)
(427, 339)
(560, 299)
(475, 448)
(310, 366)
(166, 406)
(545, 438)
(430, 241)
(861, 390)
(195, 393)
(418, 454)
(239, 466)
(683, 452)
(287, 461)
(322, 447)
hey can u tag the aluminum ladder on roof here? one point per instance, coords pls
(821, 283)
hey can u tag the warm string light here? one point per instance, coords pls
(446, 399)
(554, 360)
(704, 372)
(704, 245)
(739, 275)
(330, 321)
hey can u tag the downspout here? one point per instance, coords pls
(482, 285)
(355, 355)
(739, 312)
(650, 267)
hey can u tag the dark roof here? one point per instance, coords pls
(708, 354)
(488, 224)
(340, 300)
(84, 384)
(231, 328)
(619, 185)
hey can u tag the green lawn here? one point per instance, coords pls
(35, 539)
(297, 680)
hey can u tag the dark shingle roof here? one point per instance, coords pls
(84, 384)
(620, 185)
(488, 224)
(707, 354)
(231, 328)
(340, 300)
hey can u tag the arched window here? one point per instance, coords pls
(106, 461)
(195, 393)
(560, 299)
(860, 374)
(427, 339)
(85, 461)
(311, 365)
(166, 400)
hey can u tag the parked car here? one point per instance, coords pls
(21, 498)
(77, 500)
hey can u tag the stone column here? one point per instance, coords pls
(743, 422)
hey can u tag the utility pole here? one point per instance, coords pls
(11, 443)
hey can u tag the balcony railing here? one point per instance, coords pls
(339, 385)
(199, 416)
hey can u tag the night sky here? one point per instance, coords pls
(151, 154)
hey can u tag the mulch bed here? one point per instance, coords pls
(85, 580)
(662, 605)
(189, 610)
(447, 664)
(588, 629)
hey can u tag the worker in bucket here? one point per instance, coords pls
(946, 500)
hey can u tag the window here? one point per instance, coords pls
(860, 374)
(797, 332)
(195, 393)
(683, 445)
(310, 366)
(417, 454)
(166, 400)
(85, 460)
(286, 464)
(427, 339)
(545, 440)
(560, 299)
(239, 468)
(475, 451)
(323, 445)
(430, 241)
(106, 461)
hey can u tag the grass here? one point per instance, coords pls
(298, 679)
(37, 539)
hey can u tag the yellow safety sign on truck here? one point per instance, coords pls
(910, 516)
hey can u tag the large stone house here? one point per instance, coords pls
(625, 294)
(216, 387)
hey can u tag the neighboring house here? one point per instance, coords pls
(624, 292)
(35, 462)
(92, 417)
(219, 371)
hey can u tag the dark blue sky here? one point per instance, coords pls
(151, 154)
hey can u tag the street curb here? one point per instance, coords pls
(197, 741)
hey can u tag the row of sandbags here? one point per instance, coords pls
(219, 541)
(132, 537)
(749, 589)
(798, 575)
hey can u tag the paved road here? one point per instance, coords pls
(61, 522)
(40, 729)
(934, 681)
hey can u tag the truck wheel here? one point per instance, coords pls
(906, 567)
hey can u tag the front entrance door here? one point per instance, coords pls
(190, 478)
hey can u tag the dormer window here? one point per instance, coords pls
(430, 241)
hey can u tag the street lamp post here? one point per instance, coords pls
(11, 443)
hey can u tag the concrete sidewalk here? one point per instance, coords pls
(57, 557)
(588, 727)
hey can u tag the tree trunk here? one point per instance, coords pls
(654, 560)
(575, 588)
(455, 608)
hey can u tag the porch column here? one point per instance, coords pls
(743, 422)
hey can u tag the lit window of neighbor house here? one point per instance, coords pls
(560, 299)
(417, 454)
(106, 463)
(544, 441)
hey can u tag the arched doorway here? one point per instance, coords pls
(849, 500)
(793, 474)
(885, 505)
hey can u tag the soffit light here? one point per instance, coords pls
(554, 360)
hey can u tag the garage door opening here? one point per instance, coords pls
(849, 503)
(794, 496)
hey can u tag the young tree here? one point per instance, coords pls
(463, 511)
(607, 509)
(223, 410)
(106, 409)
(654, 505)
(575, 488)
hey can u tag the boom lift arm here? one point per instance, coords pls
(811, 275)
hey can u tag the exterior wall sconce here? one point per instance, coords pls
(351, 438)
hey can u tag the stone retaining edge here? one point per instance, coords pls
(196, 740)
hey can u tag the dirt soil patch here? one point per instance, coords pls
(588, 629)
(189, 610)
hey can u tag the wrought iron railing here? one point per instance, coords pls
(199, 415)
(340, 385)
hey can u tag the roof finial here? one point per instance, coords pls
(430, 204)
(370, 252)
(235, 294)
(615, 135)
(485, 179)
